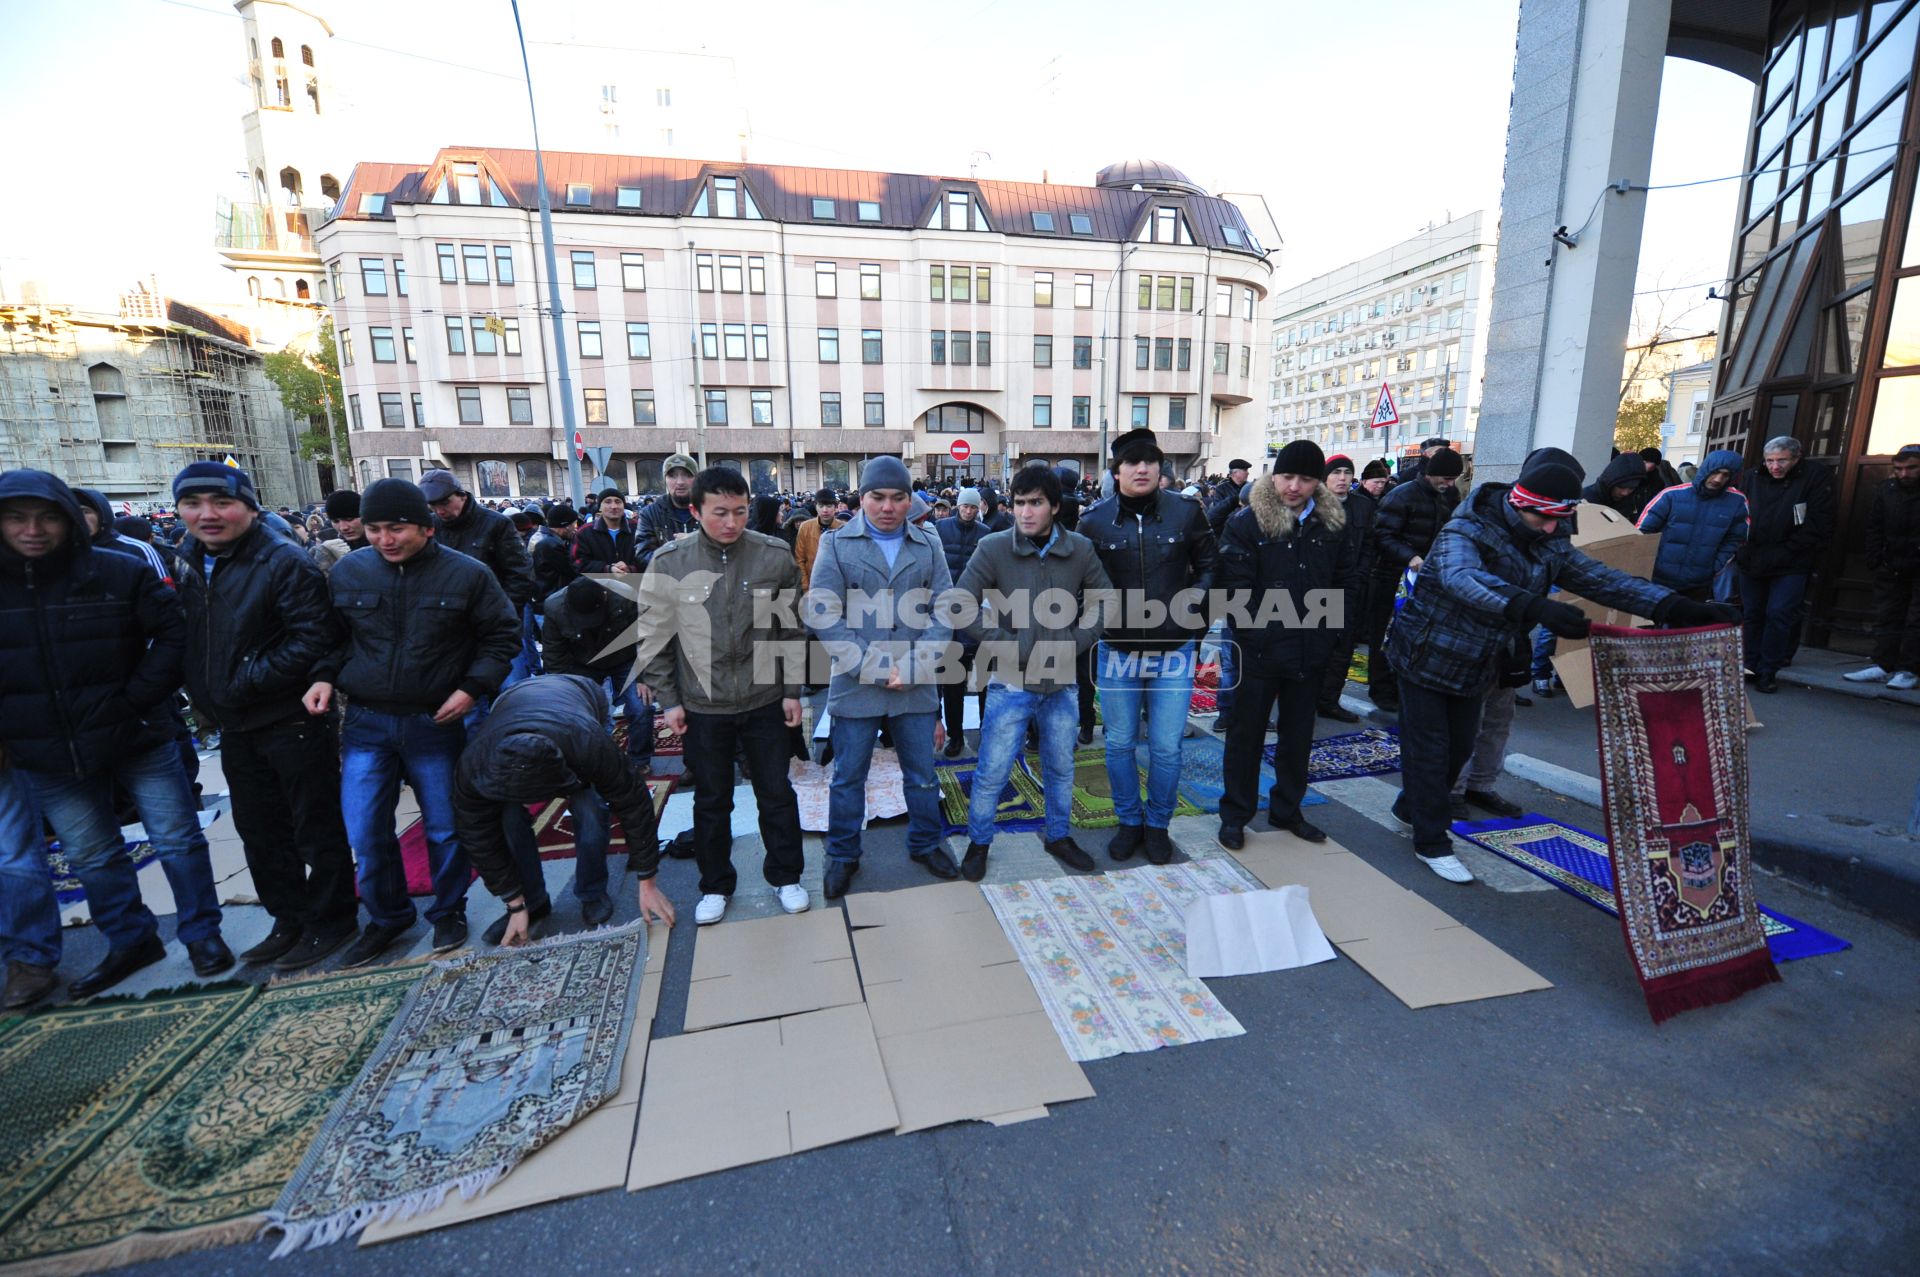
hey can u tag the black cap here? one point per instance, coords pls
(1445, 464)
(1301, 457)
(1135, 445)
(1339, 461)
(343, 504)
(1551, 480)
(1375, 469)
(562, 515)
(395, 501)
(586, 595)
(1238, 464)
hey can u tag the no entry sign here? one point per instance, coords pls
(960, 449)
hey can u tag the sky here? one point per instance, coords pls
(1358, 124)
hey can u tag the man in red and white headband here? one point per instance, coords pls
(1484, 584)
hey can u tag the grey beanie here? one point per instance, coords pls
(885, 472)
(968, 496)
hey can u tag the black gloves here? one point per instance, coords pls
(1678, 610)
(1563, 619)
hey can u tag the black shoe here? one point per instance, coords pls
(1399, 812)
(1524, 702)
(839, 875)
(1487, 800)
(973, 865)
(1069, 853)
(373, 942)
(27, 983)
(1086, 736)
(450, 933)
(956, 744)
(1157, 846)
(1220, 725)
(1386, 704)
(283, 937)
(1765, 683)
(595, 912)
(1232, 837)
(118, 965)
(1125, 841)
(1339, 713)
(1457, 808)
(498, 927)
(210, 956)
(937, 862)
(1304, 830)
(311, 949)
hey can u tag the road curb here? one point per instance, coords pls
(1888, 890)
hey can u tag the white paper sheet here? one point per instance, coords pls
(1253, 931)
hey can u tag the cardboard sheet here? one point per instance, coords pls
(752, 1092)
(770, 967)
(1254, 931)
(1423, 955)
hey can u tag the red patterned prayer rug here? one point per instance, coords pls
(552, 831)
(1206, 689)
(1673, 776)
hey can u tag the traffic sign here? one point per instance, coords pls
(1384, 413)
(960, 449)
(579, 446)
(600, 457)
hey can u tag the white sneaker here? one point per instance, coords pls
(1904, 681)
(1448, 867)
(1871, 674)
(710, 909)
(794, 898)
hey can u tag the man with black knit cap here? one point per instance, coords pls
(609, 543)
(1403, 530)
(343, 512)
(429, 632)
(1483, 584)
(1227, 499)
(479, 533)
(1289, 549)
(1159, 553)
(1360, 509)
(550, 553)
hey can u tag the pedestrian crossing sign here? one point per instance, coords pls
(1384, 413)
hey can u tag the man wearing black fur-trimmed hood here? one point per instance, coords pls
(1292, 549)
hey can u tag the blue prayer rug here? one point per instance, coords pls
(1372, 752)
(66, 886)
(1579, 863)
(1202, 780)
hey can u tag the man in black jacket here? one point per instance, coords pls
(550, 552)
(1409, 519)
(669, 516)
(1159, 553)
(1226, 498)
(959, 533)
(90, 652)
(545, 739)
(1624, 485)
(1791, 511)
(1359, 507)
(258, 620)
(465, 525)
(1289, 550)
(581, 622)
(1893, 552)
(609, 543)
(429, 633)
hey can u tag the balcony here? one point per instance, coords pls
(266, 228)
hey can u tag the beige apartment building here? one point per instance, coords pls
(789, 321)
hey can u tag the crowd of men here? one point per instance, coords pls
(411, 633)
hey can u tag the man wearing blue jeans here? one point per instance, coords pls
(1027, 658)
(871, 605)
(91, 645)
(430, 632)
(29, 914)
(1159, 553)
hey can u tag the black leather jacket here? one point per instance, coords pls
(660, 522)
(1409, 518)
(570, 641)
(1159, 551)
(489, 536)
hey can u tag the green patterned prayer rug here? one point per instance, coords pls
(1092, 791)
(492, 1056)
(201, 1158)
(68, 1078)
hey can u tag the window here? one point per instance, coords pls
(716, 407)
(626, 197)
(1162, 354)
(373, 276)
(726, 202)
(1246, 304)
(1042, 350)
(474, 257)
(373, 205)
(502, 262)
(596, 402)
(731, 280)
(983, 349)
(867, 211)
(1043, 288)
(959, 283)
(1220, 356)
(456, 335)
(826, 283)
(633, 272)
(1233, 236)
(663, 97)
(983, 284)
(579, 195)
(1177, 413)
(510, 336)
(533, 478)
(1246, 361)
(1142, 353)
(762, 407)
(876, 408)
(1083, 292)
(1083, 411)
(382, 341)
(961, 345)
(1145, 301)
(756, 274)
(419, 409)
(639, 342)
(870, 352)
(482, 330)
(583, 272)
(1043, 412)
(468, 397)
(1083, 352)
(1080, 223)
(519, 405)
(400, 276)
(643, 411)
(392, 413)
(829, 407)
(1042, 221)
(823, 210)
(1163, 295)
(937, 353)
(703, 272)
(1166, 226)
(869, 281)
(1183, 361)
(762, 348)
(406, 344)
(735, 345)
(399, 468)
(709, 341)
(449, 265)
(353, 412)
(1223, 300)
(590, 339)
(936, 283)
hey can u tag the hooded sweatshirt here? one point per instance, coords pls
(1623, 469)
(1700, 529)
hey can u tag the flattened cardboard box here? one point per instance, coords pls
(770, 967)
(1423, 955)
(748, 1093)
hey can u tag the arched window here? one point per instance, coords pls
(290, 186)
(306, 54)
(253, 285)
(282, 96)
(259, 187)
(313, 93)
(106, 380)
(279, 49)
(280, 289)
(302, 291)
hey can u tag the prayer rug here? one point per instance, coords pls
(66, 886)
(491, 1057)
(209, 1148)
(1202, 781)
(1372, 752)
(1092, 788)
(1357, 667)
(1206, 690)
(1673, 784)
(1580, 864)
(813, 787)
(1019, 812)
(552, 831)
(69, 1077)
(1107, 954)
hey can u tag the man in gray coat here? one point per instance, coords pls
(871, 604)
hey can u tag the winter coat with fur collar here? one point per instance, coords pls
(1270, 548)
